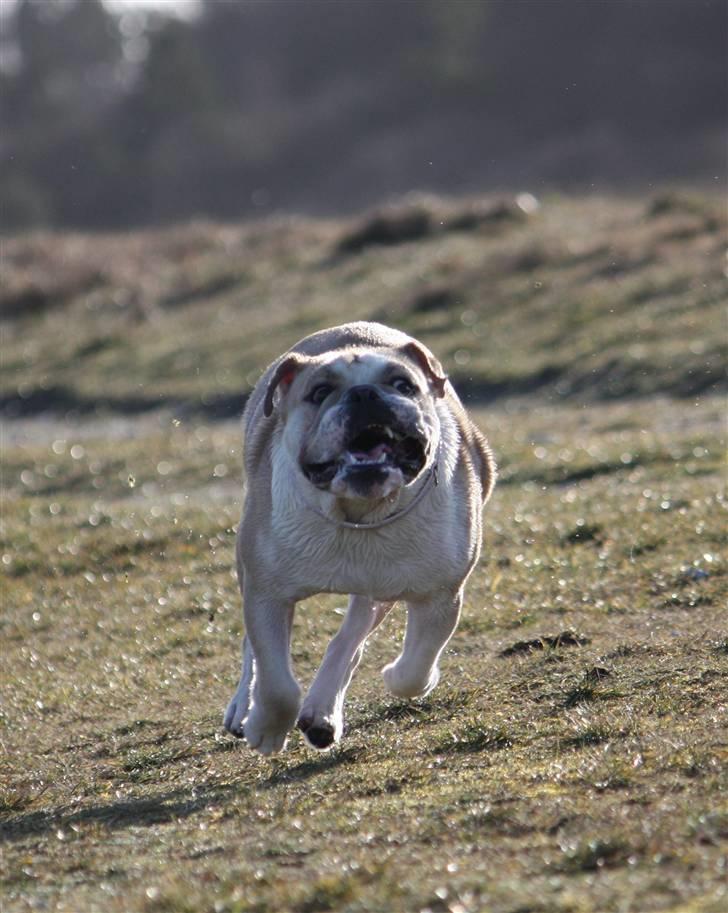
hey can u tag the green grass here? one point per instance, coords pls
(573, 758)
(562, 778)
(604, 297)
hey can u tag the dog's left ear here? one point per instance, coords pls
(283, 378)
(429, 364)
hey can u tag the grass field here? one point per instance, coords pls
(574, 758)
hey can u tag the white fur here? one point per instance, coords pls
(287, 551)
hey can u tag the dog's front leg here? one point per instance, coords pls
(430, 624)
(276, 697)
(322, 714)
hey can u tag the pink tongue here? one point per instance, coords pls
(372, 454)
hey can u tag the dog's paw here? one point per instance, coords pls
(264, 735)
(233, 719)
(409, 683)
(320, 732)
(267, 725)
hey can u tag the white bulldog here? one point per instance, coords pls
(364, 476)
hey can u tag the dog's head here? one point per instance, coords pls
(360, 423)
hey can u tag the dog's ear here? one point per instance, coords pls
(283, 378)
(429, 364)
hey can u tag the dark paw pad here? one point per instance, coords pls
(320, 736)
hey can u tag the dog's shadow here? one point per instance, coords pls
(145, 811)
(307, 769)
(166, 806)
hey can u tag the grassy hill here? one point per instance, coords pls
(598, 297)
(573, 758)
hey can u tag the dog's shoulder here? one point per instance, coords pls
(474, 445)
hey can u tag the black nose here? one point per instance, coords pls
(363, 393)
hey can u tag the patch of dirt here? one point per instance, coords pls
(564, 639)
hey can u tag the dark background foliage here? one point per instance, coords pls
(114, 120)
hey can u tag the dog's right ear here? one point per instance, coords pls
(283, 378)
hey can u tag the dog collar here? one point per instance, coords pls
(430, 479)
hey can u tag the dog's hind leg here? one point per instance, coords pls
(430, 625)
(322, 715)
(237, 709)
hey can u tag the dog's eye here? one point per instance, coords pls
(319, 394)
(404, 386)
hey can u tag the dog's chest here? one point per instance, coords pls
(388, 563)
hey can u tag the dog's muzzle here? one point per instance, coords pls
(376, 442)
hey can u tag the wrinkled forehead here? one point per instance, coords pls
(360, 367)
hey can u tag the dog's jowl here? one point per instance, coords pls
(364, 476)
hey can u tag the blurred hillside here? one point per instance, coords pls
(112, 121)
(573, 299)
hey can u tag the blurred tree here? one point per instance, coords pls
(458, 37)
(177, 80)
(326, 106)
(69, 52)
(67, 79)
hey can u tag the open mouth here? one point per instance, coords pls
(371, 448)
